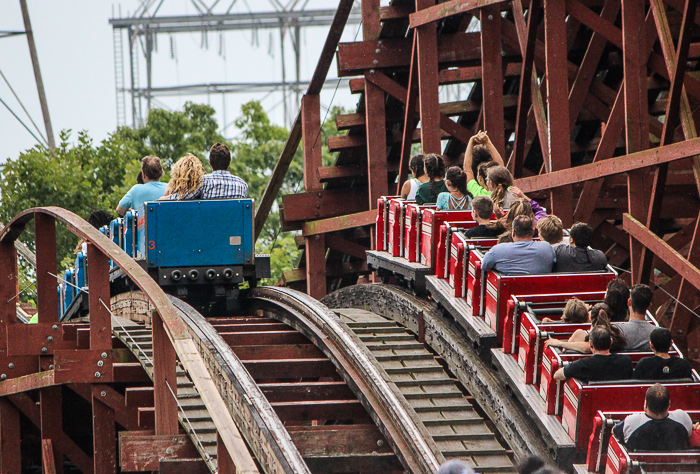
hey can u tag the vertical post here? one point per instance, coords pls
(409, 122)
(8, 290)
(297, 57)
(492, 76)
(47, 459)
(50, 409)
(637, 114)
(377, 180)
(315, 244)
(164, 379)
(371, 22)
(558, 104)
(37, 73)
(284, 75)
(47, 296)
(428, 97)
(10, 446)
(223, 458)
(98, 282)
(149, 69)
(132, 60)
(104, 436)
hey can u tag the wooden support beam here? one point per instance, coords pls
(335, 224)
(323, 204)
(104, 435)
(316, 264)
(409, 122)
(335, 242)
(10, 439)
(100, 316)
(371, 20)
(448, 9)
(142, 450)
(311, 135)
(224, 462)
(613, 166)
(428, 99)
(48, 462)
(51, 418)
(492, 82)
(164, 379)
(377, 179)
(558, 105)
(682, 316)
(47, 297)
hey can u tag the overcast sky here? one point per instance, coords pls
(75, 49)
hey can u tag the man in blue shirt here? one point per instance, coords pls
(220, 183)
(523, 256)
(151, 189)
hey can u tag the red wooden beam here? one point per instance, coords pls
(46, 264)
(377, 179)
(142, 450)
(48, 462)
(613, 166)
(428, 99)
(335, 224)
(492, 82)
(164, 379)
(409, 123)
(104, 436)
(10, 439)
(660, 248)
(447, 9)
(50, 412)
(99, 299)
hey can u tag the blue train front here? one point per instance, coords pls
(199, 251)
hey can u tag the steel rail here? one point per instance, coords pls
(174, 326)
(324, 328)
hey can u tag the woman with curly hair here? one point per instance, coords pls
(435, 169)
(185, 179)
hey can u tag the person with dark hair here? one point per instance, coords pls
(457, 196)
(410, 186)
(637, 330)
(151, 189)
(435, 170)
(220, 183)
(616, 297)
(482, 210)
(455, 466)
(480, 154)
(523, 256)
(578, 256)
(603, 365)
(139, 178)
(100, 218)
(656, 429)
(579, 340)
(661, 366)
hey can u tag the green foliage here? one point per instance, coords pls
(83, 177)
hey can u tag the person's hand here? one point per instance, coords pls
(517, 192)
(480, 138)
(696, 426)
(552, 343)
(547, 320)
(498, 212)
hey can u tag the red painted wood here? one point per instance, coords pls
(10, 446)
(492, 81)
(100, 316)
(377, 179)
(104, 436)
(409, 123)
(8, 291)
(51, 418)
(316, 265)
(164, 379)
(47, 457)
(223, 458)
(311, 139)
(47, 296)
(428, 99)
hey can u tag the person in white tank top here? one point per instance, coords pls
(410, 186)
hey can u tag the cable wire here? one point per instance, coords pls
(23, 108)
(20, 121)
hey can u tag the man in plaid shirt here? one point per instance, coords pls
(220, 183)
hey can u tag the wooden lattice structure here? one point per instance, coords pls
(593, 102)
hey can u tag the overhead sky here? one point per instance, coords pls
(74, 42)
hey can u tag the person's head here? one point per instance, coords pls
(505, 238)
(139, 177)
(219, 157)
(416, 166)
(480, 155)
(482, 206)
(660, 340)
(519, 207)
(575, 312)
(599, 315)
(434, 166)
(616, 297)
(581, 234)
(482, 172)
(152, 168)
(550, 229)
(657, 401)
(100, 218)
(498, 181)
(523, 228)
(456, 179)
(600, 339)
(640, 299)
(455, 466)
(186, 176)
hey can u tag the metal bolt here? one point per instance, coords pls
(50, 338)
(380, 43)
(371, 72)
(103, 355)
(103, 393)
(54, 327)
(3, 376)
(97, 375)
(375, 62)
(44, 350)
(490, 17)
(12, 366)
(175, 440)
(168, 451)
(377, 50)
(51, 367)
(380, 442)
(100, 363)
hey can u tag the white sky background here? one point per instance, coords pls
(75, 49)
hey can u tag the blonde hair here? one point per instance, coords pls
(551, 229)
(186, 176)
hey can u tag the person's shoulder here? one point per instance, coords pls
(158, 184)
(620, 357)
(683, 418)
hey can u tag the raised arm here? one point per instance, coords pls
(492, 151)
(468, 159)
